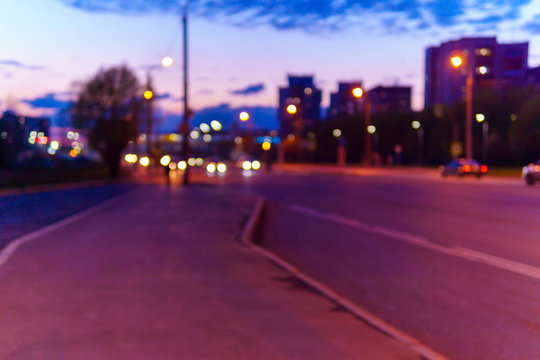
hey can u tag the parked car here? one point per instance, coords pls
(462, 167)
(531, 173)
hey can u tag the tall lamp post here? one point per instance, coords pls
(297, 127)
(148, 96)
(458, 61)
(420, 138)
(244, 116)
(481, 118)
(184, 128)
(358, 93)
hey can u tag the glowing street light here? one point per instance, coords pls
(205, 128)
(456, 61)
(291, 109)
(266, 146)
(480, 117)
(371, 129)
(194, 134)
(148, 94)
(415, 125)
(167, 61)
(244, 116)
(336, 133)
(357, 92)
(216, 125)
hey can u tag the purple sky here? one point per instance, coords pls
(241, 50)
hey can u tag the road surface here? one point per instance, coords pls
(453, 262)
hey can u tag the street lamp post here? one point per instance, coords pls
(244, 116)
(148, 96)
(485, 129)
(184, 128)
(357, 92)
(341, 147)
(458, 61)
(420, 140)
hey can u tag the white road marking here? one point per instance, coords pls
(7, 252)
(377, 322)
(457, 251)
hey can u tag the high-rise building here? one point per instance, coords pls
(495, 66)
(302, 93)
(343, 103)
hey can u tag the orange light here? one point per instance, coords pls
(483, 169)
(148, 94)
(291, 109)
(467, 168)
(456, 61)
(73, 153)
(266, 146)
(357, 92)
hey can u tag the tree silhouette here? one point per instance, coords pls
(109, 104)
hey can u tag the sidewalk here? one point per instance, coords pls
(160, 274)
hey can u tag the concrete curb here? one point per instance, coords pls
(247, 238)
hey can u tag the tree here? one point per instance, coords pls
(109, 104)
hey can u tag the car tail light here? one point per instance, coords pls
(466, 168)
(483, 169)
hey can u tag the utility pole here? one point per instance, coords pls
(184, 128)
(469, 111)
(149, 120)
(367, 139)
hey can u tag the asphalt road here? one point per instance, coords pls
(453, 262)
(159, 273)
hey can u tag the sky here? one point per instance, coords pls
(241, 51)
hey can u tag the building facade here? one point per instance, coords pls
(302, 93)
(384, 99)
(390, 99)
(494, 66)
(342, 102)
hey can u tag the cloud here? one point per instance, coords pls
(18, 64)
(48, 101)
(264, 117)
(163, 96)
(316, 15)
(249, 90)
(533, 26)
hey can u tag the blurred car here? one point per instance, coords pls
(247, 162)
(462, 167)
(531, 173)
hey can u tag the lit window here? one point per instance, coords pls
(482, 52)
